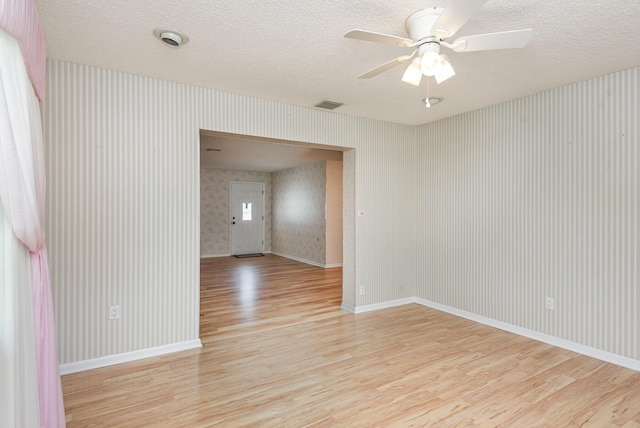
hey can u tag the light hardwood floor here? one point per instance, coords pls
(278, 352)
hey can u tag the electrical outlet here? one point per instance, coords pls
(114, 312)
(362, 290)
(549, 303)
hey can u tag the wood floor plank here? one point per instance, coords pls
(279, 352)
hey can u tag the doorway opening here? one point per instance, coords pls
(281, 167)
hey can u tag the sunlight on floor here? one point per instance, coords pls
(248, 293)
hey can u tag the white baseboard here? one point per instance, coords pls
(383, 305)
(209, 256)
(348, 308)
(541, 337)
(309, 262)
(110, 360)
(286, 256)
(609, 357)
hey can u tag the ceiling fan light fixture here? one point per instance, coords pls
(444, 71)
(413, 73)
(430, 62)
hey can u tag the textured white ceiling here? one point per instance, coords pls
(294, 51)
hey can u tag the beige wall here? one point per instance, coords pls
(214, 212)
(307, 213)
(334, 214)
(299, 226)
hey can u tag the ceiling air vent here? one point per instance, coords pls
(328, 105)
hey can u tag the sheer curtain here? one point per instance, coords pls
(19, 404)
(30, 389)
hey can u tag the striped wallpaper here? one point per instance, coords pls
(348, 231)
(123, 202)
(534, 198)
(488, 212)
(385, 241)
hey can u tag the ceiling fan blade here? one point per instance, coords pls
(372, 36)
(490, 41)
(455, 16)
(387, 66)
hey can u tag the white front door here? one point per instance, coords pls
(246, 201)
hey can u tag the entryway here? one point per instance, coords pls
(246, 214)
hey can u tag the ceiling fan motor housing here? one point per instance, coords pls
(419, 24)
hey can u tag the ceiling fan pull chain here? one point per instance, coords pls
(426, 102)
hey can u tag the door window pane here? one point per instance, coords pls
(246, 211)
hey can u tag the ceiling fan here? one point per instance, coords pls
(428, 30)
